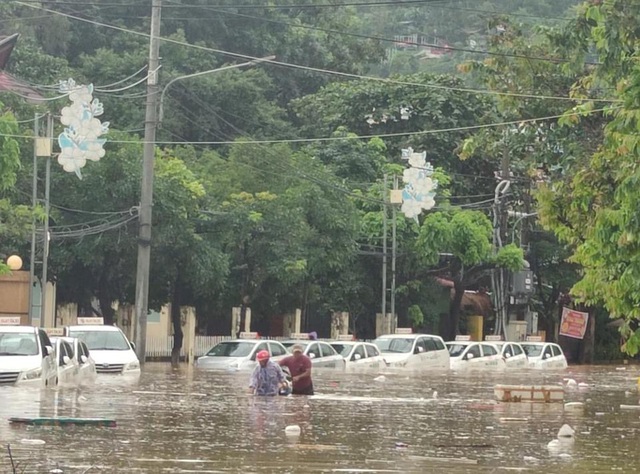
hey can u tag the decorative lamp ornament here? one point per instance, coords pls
(14, 263)
(80, 140)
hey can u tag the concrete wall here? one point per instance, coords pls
(14, 295)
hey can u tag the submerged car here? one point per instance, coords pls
(109, 347)
(359, 355)
(469, 355)
(80, 363)
(321, 353)
(513, 355)
(240, 354)
(413, 351)
(545, 355)
(26, 355)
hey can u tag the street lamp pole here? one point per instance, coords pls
(202, 73)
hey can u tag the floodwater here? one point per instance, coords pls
(186, 420)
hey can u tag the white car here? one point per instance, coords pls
(240, 354)
(76, 350)
(321, 353)
(545, 355)
(109, 347)
(67, 367)
(26, 355)
(469, 355)
(413, 351)
(513, 355)
(359, 355)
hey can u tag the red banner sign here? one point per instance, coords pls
(574, 323)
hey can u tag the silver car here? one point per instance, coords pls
(240, 354)
(321, 353)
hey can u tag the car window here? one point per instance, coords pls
(82, 351)
(556, 350)
(260, 347)
(327, 350)
(360, 351)
(62, 351)
(507, 350)
(517, 350)
(475, 350)
(343, 349)
(230, 349)
(439, 344)
(372, 351)
(421, 346)
(68, 348)
(547, 352)
(44, 340)
(488, 350)
(103, 340)
(314, 349)
(430, 345)
(277, 349)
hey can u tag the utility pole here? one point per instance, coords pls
(394, 246)
(384, 249)
(34, 224)
(146, 193)
(47, 204)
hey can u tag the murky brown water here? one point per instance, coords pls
(195, 421)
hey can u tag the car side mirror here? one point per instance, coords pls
(507, 355)
(312, 355)
(133, 345)
(357, 357)
(469, 356)
(84, 359)
(547, 355)
(48, 350)
(418, 350)
(66, 360)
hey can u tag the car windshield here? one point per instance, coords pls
(343, 349)
(103, 340)
(290, 344)
(18, 344)
(532, 350)
(231, 349)
(394, 344)
(456, 350)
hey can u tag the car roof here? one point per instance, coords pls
(466, 343)
(91, 327)
(534, 343)
(18, 329)
(300, 341)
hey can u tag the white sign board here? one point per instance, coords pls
(54, 331)
(463, 337)
(91, 321)
(404, 331)
(249, 335)
(10, 321)
(346, 337)
(299, 335)
(534, 339)
(493, 338)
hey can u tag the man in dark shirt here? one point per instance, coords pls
(299, 366)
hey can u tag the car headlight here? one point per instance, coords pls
(132, 366)
(32, 374)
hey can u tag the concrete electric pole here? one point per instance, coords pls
(146, 193)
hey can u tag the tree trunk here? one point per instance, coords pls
(454, 310)
(178, 335)
(107, 311)
(588, 343)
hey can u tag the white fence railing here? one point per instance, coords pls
(161, 346)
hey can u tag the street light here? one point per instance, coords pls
(14, 263)
(197, 74)
(153, 117)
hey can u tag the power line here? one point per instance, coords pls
(360, 137)
(389, 40)
(320, 70)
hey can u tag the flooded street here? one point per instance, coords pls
(197, 421)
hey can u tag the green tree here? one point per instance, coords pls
(467, 236)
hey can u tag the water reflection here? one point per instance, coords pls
(197, 421)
